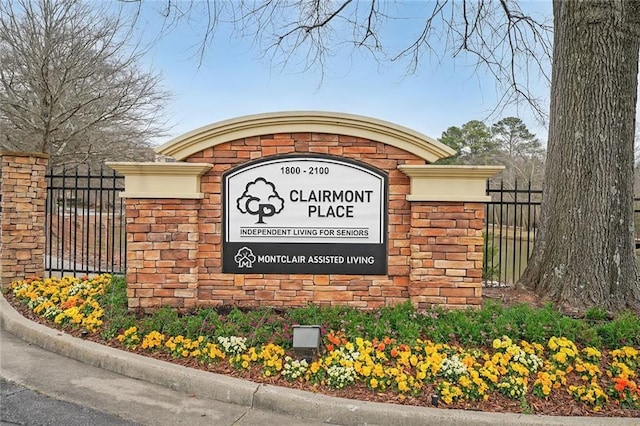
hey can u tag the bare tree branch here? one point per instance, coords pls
(71, 83)
(515, 48)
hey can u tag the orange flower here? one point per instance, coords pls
(621, 383)
(394, 352)
(330, 347)
(71, 303)
(381, 347)
(333, 339)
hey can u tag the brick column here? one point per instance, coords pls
(446, 253)
(24, 190)
(162, 249)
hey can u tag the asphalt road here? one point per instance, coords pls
(23, 406)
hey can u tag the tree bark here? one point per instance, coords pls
(585, 253)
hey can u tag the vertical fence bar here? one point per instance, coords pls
(74, 223)
(485, 258)
(94, 225)
(59, 217)
(520, 228)
(48, 232)
(93, 189)
(500, 224)
(112, 202)
(515, 220)
(85, 208)
(110, 225)
(64, 216)
(493, 236)
(98, 211)
(529, 223)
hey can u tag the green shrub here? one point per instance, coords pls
(476, 328)
(115, 304)
(624, 330)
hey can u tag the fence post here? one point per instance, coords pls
(22, 238)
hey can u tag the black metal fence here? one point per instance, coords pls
(85, 223)
(85, 226)
(511, 226)
(511, 223)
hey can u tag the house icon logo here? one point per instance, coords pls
(245, 258)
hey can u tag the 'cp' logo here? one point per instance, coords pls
(260, 199)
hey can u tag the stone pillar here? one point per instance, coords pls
(24, 190)
(162, 202)
(447, 220)
(162, 248)
(446, 254)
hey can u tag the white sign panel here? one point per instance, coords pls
(308, 205)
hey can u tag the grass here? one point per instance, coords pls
(475, 328)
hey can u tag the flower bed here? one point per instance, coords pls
(529, 374)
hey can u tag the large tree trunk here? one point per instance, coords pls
(585, 255)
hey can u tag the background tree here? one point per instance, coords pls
(520, 152)
(508, 142)
(71, 83)
(473, 142)
(584, 255)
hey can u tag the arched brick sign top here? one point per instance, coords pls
(306, 121)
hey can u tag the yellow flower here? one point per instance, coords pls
(413, 360)
(464, 381)
(561, 357)
(366, 370)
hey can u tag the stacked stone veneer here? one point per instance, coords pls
(22, 235)
(174, 245)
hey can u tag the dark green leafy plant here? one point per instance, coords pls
(472, 327)
(114, 303)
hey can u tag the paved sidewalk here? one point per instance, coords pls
(148, 391)
(68, 392)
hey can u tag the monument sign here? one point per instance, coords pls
(305, 214)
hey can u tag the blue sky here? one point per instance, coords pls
(234, 80)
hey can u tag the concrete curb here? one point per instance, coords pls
(277, 399)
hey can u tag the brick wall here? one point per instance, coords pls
(446, 253)
(162, 253)
(22, 238)
(175, 245)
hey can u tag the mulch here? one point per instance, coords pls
(560, 403)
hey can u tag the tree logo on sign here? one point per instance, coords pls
(260, 199)
(245, 258)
